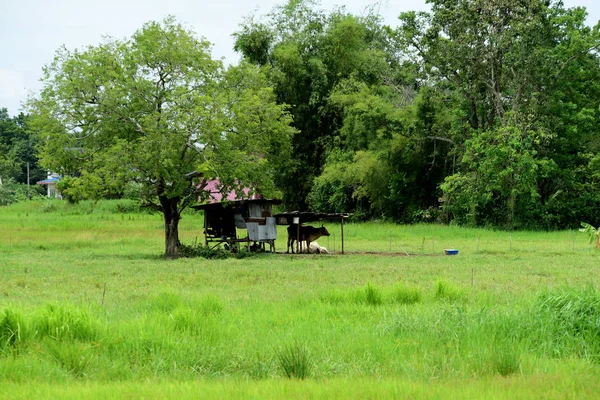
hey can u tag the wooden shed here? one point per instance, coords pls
(223, 219)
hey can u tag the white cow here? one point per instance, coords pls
(314, 248)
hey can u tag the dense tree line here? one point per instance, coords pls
(483, 112)
(17, 150)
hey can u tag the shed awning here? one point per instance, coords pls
(49, 181)
(287, 218)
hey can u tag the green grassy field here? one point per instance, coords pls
(89, 307)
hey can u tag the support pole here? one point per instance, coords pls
(28, 192)
(298, 237)
(205, 229)
(342, 235)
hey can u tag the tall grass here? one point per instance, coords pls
(444, 290)
(571, 322)
(63, 322)
(295, 360)
(13, 331)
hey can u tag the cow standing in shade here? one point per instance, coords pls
(307, 234)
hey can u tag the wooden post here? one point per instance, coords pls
(342, 235)
(205, 228)
(28, 192)
(298, 237)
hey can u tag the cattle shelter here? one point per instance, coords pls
(301, 217)
(223, 219)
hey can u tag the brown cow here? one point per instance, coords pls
(307, 233)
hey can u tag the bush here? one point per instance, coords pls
(12, 192)
(213, 253)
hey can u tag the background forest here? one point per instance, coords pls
(479, 112)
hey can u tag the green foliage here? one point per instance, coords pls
(18, 148)
(309, 53)
(499, 185)
(521, 106)
(71, 189)
(484, 105)
(13, 192)
(208, 252)
(592, 233)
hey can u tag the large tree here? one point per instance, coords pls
(157, 110)
(309, 53)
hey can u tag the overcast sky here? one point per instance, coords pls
(32, 30)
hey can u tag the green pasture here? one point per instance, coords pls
(88, 306)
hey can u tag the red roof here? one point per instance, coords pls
(215, 196)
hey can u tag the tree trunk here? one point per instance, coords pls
(171, 217)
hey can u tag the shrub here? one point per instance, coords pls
(213, 253)
(12, 192)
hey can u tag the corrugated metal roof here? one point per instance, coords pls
(48, 181)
